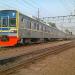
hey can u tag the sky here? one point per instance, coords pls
(47, 8)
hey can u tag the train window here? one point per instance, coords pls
(41, 28)
(8, 18)
(5, 21)
(22, 19)
(34, 25)
(28, 24)
(12, 22)
(45, 28)
(0, 21)
(37, 26)
(48, 29)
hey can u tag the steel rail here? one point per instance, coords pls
(24, 59)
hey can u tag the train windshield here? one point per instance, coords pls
(7, 18)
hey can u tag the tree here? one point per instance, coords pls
(68, 31)
(52, 24)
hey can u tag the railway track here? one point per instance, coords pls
(25, 45)
(18, 62)
(18, 51)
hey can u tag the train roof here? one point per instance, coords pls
(8, 10)
(40, 21)
(32, 18)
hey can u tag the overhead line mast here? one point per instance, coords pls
(68, 17)
(38, 13)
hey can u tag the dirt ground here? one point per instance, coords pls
(13, 52)
(59, 64)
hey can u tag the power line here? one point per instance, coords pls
(6, 4)
(20, 8)
(26, 2)
(68, 4)
(63, 3)
(33, 3)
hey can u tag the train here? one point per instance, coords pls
(16, 27)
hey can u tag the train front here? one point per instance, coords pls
(8, 28)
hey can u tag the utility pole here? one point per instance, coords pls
(74, 11)
(38, 20)
(63, 21)
(38, 13)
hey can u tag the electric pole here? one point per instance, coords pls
(38, 13)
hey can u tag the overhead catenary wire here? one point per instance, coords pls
(30, 4)
(6, 5)
(11, 7)
(15, 3)
(68, 5)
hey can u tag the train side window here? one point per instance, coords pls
(37, 26)
(45, 29)
(26, 22)
(22, 19)
(30, 25)
(0, 21)
(34, 26)
(49, 29)
(41, 27)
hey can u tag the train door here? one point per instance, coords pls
(4, 21)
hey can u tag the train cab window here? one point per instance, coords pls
(12, 22)
(0, 21)
(5, 21)
(8, 18)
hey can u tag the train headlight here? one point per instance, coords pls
(14, 31)
(4, 38)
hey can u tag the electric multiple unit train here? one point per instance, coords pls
(19, 28)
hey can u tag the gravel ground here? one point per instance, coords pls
(25, 49)
(60, 64)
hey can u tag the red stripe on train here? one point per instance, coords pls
(13, 40)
